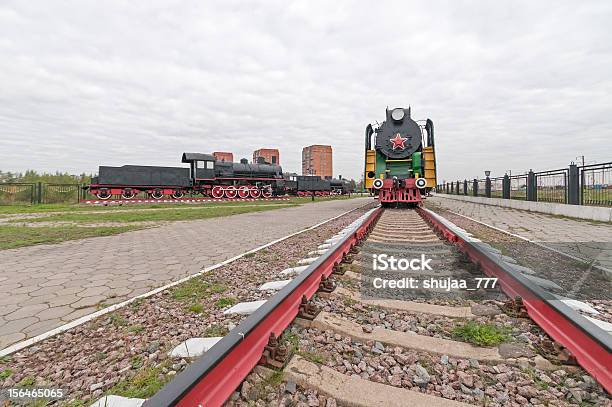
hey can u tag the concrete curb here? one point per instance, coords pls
(595, 213)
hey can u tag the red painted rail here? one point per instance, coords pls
(212, 379)
(586, 341)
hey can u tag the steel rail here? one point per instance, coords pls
(211, 380)
(590, 345)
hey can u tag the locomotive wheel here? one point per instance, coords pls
(128, 194)
(266, 192)
(255, 192)
(230, 192)
(178, 194)
(103, 195)
(243, 192)
(217, 192)
(157, 194)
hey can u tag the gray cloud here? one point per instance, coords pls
(509, 84)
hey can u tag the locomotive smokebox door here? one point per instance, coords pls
(202, 165)
(399, 136)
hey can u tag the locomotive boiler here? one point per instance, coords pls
(400, 165)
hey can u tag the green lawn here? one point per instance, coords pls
(117, 219)
(43, 208)
(173, 214)
(18, 236)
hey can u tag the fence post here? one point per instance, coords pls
(506, 187)
(531, 186)
(488, 187)
(573, 187)
(465, 187)
(39, 193)
(475, 187)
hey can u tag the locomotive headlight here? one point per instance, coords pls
(421, 183)
(397, 114)
(378, 183)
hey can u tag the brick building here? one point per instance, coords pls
(270, 155)
(223, 156)
(317, 160)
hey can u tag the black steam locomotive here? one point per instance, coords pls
(209, 177)
(205, 175)
(307, 185)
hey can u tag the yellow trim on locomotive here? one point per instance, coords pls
(370, 167)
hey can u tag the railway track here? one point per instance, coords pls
(499, 340)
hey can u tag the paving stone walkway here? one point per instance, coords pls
(43, 287)
(588, 240)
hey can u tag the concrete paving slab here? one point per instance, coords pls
(274, 285)
(245, 308)
(194, 347)
(165, 254)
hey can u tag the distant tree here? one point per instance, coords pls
(48, 178)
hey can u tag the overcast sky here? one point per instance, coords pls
(509, 84)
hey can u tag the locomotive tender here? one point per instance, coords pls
(400, 164)
(209, 177)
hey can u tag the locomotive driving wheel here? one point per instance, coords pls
(103, 194)
(266, 192)
(243, 192)
(128, 193)
(254, 192)
(217, 192)
(177, 194)
(157, 194)
(230, 192)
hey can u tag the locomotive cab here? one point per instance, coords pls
(202, 166)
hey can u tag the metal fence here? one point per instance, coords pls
(575, 185)
(19, 193)
(16, 193)
(551, 186)
(596, 182)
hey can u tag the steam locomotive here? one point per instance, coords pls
(206, 176)
(400, 163)
(307, 185)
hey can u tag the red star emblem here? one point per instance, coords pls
(398, 141)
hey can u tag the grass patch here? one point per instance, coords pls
(161, 215)
(481, 334)
(117, 320)
(291, 341)
(27, 382)
(541, 384)
(225, 302)
(215, 330)
(101, 356)
(136, 362)
(5, 374)
(196, 308)
(136, 329)
(195, 290)
(313, 357)
(13, 236)
(258, 391)
(137, 303)
(143, 385)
